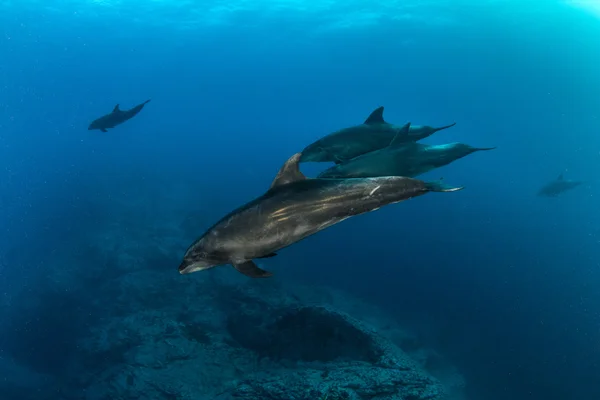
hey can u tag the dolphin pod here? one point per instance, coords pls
(376, 164)
(373, 134)
(378, 148)
(401, 159)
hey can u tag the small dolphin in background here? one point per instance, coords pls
(292, 209)
(116, 117)
(375, 133)
(401, 159)
(558, 186)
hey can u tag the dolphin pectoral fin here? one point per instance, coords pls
(268, 255)
(376, 117)
(250, 269)
(103, 130)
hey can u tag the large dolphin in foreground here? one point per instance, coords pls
(116, 117)
(375, 133)
(401, 159)
(558, 186)
(292, 209)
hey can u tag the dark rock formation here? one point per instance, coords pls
(304, 334)
(332, 356)
(241, 343)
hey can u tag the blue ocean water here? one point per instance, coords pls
(500, 285)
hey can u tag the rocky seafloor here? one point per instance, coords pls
(250, 341)
(112, 319)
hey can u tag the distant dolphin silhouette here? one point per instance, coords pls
(401, 159)
(558, 186)
(116, 117)
(374, 134)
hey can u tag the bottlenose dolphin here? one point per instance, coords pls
(292, 209)
(375, 133)
(558, 186)
(401, 159)
(116, 117)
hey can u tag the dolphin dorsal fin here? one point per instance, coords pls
(560, 177)
(398, 140)
(116, 109)
(290, 172)
(376, 117)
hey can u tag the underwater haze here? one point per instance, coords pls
(489, 293)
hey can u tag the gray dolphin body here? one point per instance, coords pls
(375, 133)
(292, 209)
(116, 117)
(558, 186)
(401, 159)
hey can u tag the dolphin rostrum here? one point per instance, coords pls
(558, 186)
(375, 133)
(292, 209)
(116, 117)
(401, 159)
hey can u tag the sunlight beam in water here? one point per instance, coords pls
(591, 6)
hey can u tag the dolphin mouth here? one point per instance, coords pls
(187, 267)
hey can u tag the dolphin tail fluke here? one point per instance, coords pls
(439, 186)
(441, 128)
(146, 102)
